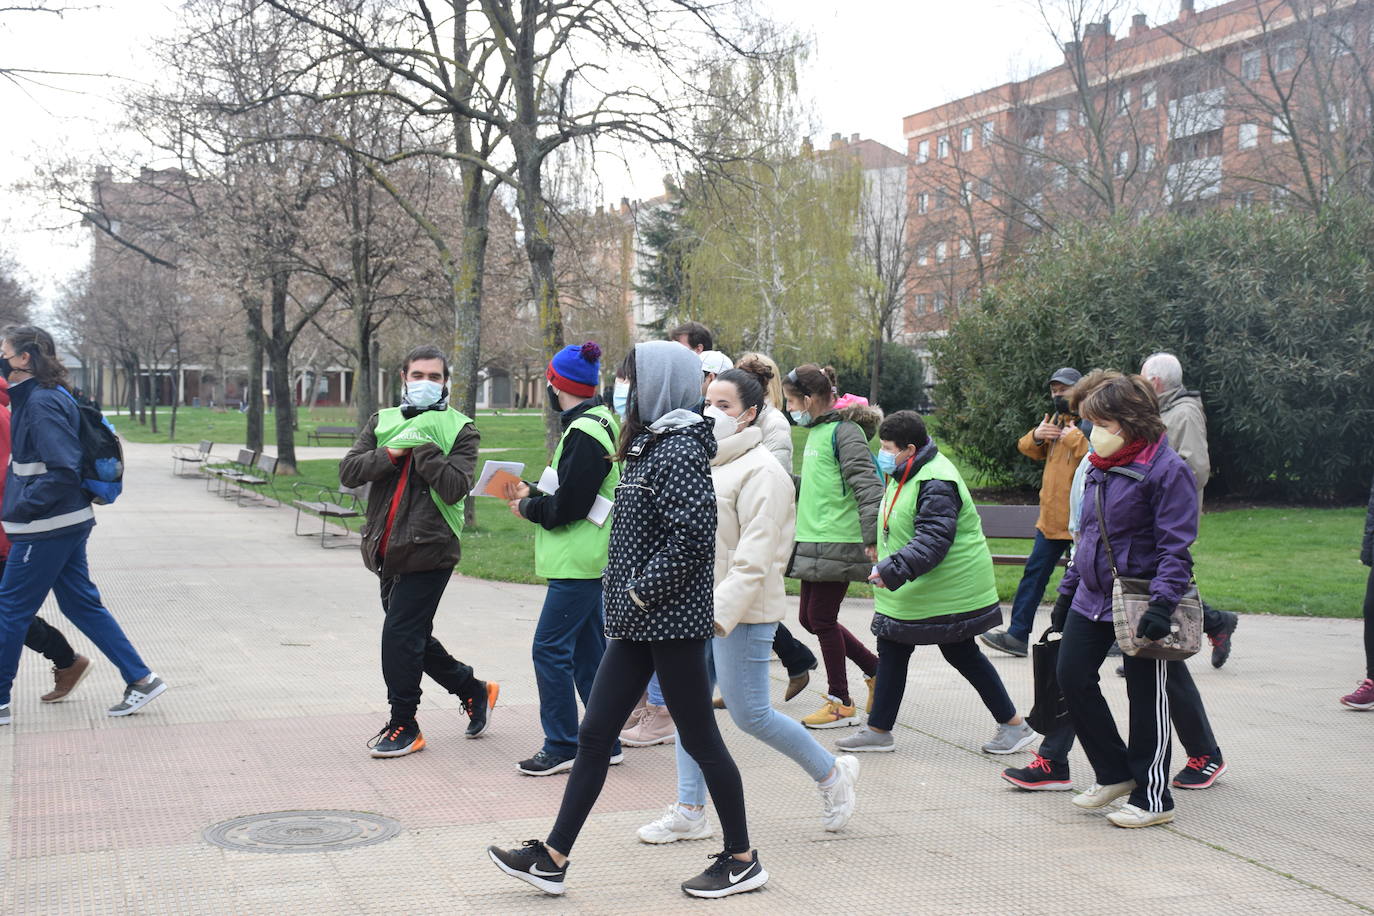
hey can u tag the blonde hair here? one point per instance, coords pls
(751, 363)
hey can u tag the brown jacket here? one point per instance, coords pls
(420, 539)
(1061, 459)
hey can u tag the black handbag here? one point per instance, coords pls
(1049, 711)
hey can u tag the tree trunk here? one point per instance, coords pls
(253, 392)
(365, 384)
(539, 252)
(467, 303)
(176, 398)
(279, 361)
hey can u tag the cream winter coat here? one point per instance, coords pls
(777, 435)
(756, 519)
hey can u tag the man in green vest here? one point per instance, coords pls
(570, 550)
(419, 459)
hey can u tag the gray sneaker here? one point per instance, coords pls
(1010, 739)
(136, 696)
(1003, 641)
(866, 739)
(5, 714)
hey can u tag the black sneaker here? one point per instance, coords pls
(479, 704)
(1003, 641)
(397, 739)
(1201, 772)
(1221, 640)
(1040, 775)
(544, 764)
(531, 863)
(726, 876)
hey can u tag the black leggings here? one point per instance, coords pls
(1369, 627)
(620, 681)
(964, 656)
(47, 639)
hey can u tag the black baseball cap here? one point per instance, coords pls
(1066, 376)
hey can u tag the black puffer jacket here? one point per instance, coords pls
(1367, 551)
(658, 583)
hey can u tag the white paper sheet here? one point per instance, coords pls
(601, 507)
(491, 467)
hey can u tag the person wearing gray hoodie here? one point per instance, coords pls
(660, 613)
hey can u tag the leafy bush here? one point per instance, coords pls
(1272, 316)
(902, 383)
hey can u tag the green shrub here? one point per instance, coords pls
(1272, 316)
(902, 382)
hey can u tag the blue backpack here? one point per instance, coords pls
(102, 455)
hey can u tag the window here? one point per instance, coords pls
(941, 199)
(1337, 114)
(1250, 66)
(984, 189)
(920, 303)
(922, 152)
(1123, 163)
(1245, 200)
(1280, 130)
(939, 303)
(1061, 120)
(1342, 39)
(966, 139)
(1082, 117)
(985, 243)
(942, 147)
(1036, 143)
(1249, 135)
(966, 192)
(1149, 96)
(922, 202)
(1123, 99)
(922, 255)
(941, 252)
(1278, 198)
(965, 248)
(1286, 56)
(989, 133)
(1147, 156)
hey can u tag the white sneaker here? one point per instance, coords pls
(1099, 796)
(5, 715)
(674, 826)
(838, 800)
(136, 696)
(1131, 816)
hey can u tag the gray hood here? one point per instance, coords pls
(667, 378)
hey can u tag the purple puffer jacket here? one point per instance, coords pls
(1151, 510)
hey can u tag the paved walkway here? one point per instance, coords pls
(270, 645)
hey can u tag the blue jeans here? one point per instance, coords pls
(1039, 567)
(655, 692)
(568, 644)
(58, 565)
(742, 667)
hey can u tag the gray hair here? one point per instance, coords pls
(1165, 367)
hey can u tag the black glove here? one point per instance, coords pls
(1155, 624)
(1060, 615)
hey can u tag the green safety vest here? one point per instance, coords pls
(827, 512)
(963, 581)
(440, 427)
(579, 550)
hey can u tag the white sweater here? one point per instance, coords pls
(777, 435)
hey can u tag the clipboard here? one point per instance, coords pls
(601, 506)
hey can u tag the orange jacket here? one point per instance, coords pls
(1061, 459)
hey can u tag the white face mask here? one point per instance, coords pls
(424, 393)
(725, 425)
(1104, 443)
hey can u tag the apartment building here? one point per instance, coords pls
(1247, 103)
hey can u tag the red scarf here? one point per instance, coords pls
(1121, 457)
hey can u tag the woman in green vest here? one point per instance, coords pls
(933, 585)
(837, 523)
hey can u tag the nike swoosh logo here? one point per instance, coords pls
(534, 870)
(734, 878)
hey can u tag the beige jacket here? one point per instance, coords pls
(777, 435)
(1186, 423)
(756, 520)
(1061, 459)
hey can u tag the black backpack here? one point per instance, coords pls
(102, 454)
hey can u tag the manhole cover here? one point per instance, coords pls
(302, 831)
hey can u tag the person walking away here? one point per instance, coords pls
(755, 519)
(47, 514)
(570, 551)
(1060, 443)
(933, 585)
(1186, 423)
(419, 459)
(658, 618)
(1140, 495)
(837, 529)
(1363, 695)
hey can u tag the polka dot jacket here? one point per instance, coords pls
(658, 582)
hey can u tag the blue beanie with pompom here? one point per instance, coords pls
(576, 369)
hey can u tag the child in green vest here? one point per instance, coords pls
(419, 459)
(570, 551)
(933, 585)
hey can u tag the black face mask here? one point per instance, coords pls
(1061, 404)
(553, 399)
(5, 368)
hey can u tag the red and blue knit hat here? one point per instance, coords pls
(576, 370)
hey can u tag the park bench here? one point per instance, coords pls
(343, 504)
(196, 457)
(320, 433)
(258, 482)
(219, 473)
(1010, 522)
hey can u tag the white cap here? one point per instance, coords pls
(715, 362)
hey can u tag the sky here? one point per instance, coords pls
(874, 61)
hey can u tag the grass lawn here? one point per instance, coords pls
(197, 423)
(1269, 560)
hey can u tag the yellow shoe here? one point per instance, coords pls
(833, 714)
(871, 682)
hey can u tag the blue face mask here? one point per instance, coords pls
(620, 398)
(801, 417)
(887, 462)
(423, 394)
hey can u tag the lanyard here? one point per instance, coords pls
(910, 463)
